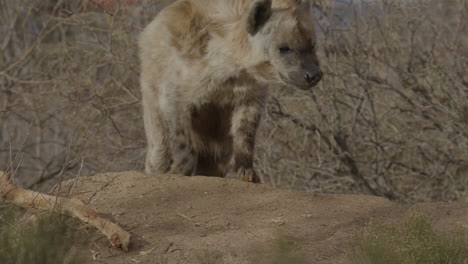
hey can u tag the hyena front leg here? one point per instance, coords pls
(245, 120)
(184, 157)
(157, 153)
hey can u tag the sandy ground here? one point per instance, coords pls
(177, 219)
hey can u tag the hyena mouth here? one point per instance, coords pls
(315, 82)
(283, 78)
(302, 85)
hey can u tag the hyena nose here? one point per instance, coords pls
(313, 78)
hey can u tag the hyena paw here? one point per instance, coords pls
(248, 175)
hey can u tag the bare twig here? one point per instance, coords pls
(118, 237)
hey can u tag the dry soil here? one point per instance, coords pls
(177, 219)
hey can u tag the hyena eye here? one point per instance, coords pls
(284, 49)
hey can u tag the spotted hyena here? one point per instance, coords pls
(206, 66)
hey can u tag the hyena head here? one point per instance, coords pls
(284, 36)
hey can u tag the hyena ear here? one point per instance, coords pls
(259, 13)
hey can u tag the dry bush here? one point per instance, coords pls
(69, 93)
(390, 118)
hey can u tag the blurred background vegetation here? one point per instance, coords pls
(42, 239)
(390, 117)
(414, 241)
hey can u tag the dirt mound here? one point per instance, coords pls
(177, 219)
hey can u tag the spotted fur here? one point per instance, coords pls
(205, 68)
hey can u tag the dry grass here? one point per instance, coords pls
(25, 239)
(390, 117)
(412, 242)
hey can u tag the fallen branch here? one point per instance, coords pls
(118, 237)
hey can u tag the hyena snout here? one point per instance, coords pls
(308, 72)
(304, 78)
(313, 77)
